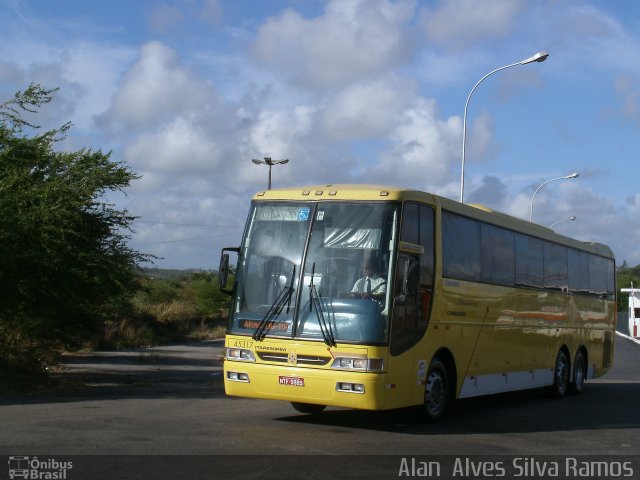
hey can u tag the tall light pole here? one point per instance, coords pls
(538, 57)
(566, 177)
(572, 218)
(271, 163)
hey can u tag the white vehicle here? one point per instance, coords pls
(634, 310)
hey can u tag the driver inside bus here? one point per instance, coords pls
(371, 285)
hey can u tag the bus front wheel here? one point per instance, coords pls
(436, 392)
(561, 374)
(308, 407)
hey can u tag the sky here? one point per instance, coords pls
(187, 92)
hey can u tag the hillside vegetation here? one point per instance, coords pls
(170, 305)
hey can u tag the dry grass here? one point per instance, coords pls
(167, 311)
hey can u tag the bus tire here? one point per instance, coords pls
(436, 391)
(311, 408)
(579, 375)
(561, 374)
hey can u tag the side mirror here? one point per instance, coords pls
(224, 269)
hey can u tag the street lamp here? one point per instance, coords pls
(570, 219)
(566, 177)
(538, 57)
(271, 163)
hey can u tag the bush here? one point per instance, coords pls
(65, 267)
(165, 310)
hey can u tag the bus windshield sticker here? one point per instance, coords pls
(320, 216)
(303, 214)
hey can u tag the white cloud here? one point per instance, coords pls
(158, 87)
(353, 38)
(366, 110)
(85, 72)
(277, 132)
(424, 150)
(180, 147)
(460, 23)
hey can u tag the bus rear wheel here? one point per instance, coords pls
(561, 374)
(308, 407)
(579, 376)
(436, 392)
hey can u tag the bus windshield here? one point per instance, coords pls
(339, 294)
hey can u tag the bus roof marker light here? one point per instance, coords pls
(319, 192)
(333, 193)
(384, 193)
(260, 194)
(306, 193)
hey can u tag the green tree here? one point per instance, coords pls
(65, 266)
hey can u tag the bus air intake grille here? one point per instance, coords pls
(299, 359)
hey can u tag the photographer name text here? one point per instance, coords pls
(517, 467)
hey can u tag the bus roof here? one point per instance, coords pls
(340, 192)
(360, 192)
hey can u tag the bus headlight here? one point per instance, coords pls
(359, 364)
(350, 387)
(238, 377)
(240, 355)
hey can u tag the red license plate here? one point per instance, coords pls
(293, 381)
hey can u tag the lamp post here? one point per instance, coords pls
(271, 163)
(566, 177)
(572, 218)
(538, 57)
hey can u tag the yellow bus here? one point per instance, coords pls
(374, 297)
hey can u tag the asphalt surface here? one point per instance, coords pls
(171, 401)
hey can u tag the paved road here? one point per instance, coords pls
(170, 401)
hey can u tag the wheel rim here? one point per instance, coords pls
(435, 393)
(562, 373)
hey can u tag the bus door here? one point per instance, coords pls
(413, 289)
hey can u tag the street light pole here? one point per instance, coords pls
(570, 219)
(538, 57)
(271, 163)
(566, 177)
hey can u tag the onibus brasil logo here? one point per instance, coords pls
(32, 468)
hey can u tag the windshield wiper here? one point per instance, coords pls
(283, 298)
(325, 328)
